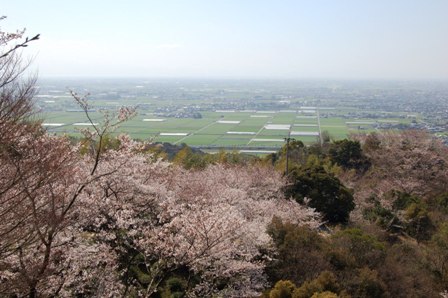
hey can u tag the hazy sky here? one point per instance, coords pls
(390, 39)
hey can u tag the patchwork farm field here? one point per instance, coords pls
(227, 129)
(243, 114)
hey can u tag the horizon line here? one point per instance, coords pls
(242, 78)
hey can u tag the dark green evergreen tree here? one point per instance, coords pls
(322, 191)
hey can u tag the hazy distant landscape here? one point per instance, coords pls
(247, 114)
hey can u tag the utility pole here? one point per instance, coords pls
(287, 152)
(320, 130)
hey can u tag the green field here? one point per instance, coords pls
(220, 128)
(242, 129)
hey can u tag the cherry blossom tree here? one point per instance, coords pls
(114, 222)
(41, 177)
(91, 220)
(50, 177)
(409, 161)
(210, 223)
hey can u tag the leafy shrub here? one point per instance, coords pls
(442, 202)
(368, 284)
(324, 191)
(301, 252)
(402, 199)
(379, 215)
(325, 282)
(348, 154)
(282, 289)
(366, 249)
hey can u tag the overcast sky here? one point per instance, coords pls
(335, 39)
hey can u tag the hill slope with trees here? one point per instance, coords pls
(109, 216)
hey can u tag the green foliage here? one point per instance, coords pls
(438, 253)
(295, 153)
(294, 146)
(402, 199)
(416, 210)
(440, 239)
(413, 212)
(317, 149)
(418, 222)
(368, 284)
(323, 190)
(366, 261)
(140, 274)
(442, 202)
(107, 142)
(189, 160)
(354, 262)
(379, 215)
(157, 152)
(300, 252)
(324, 286)
(340, 258)
(282, 289)
(313, 161)
(348, 154)
(406, 272)
(175, 287)
(326, 294)
(325, 282)
(366, 249)
(230, 158)
(333, 157)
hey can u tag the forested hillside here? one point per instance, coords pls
(107, 216)
(390, 243)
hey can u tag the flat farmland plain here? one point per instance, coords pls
(230, 129)
(220, 128)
